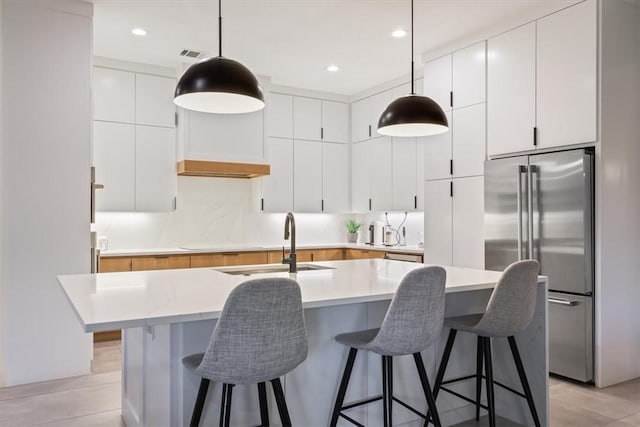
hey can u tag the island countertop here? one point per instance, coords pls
(132, 299)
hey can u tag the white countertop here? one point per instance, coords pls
(201, 249)
(133, 299)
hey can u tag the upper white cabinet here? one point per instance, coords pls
(155, 175)
(365, 114)
(542, 82)
(279, 114)
(511, 91)
(438, 81)
(457, 80)
(114, 154)
(307, 118)
(405, 174)
(335, 177)
(468, 141)
(567, 45)
(437, 153)
(360, 183)
(335, 121)
(277, 188)
(469, 75)
(372, 175)
(307, 173)
(114, 98)
(154, 100)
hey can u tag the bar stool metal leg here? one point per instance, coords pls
(344, 383)
(223, 405)
(390, 389)
(489, 373)
(385, 392)
(442, 368)
(479, 354)
(281, 402)
(264, 408)
(523, 379)
(424, 380)
(199, 405)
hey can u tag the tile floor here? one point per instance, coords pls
(94, 400)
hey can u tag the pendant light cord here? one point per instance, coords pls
(220, 27)
(413, 92)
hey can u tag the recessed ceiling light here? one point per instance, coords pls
(332, 68)
(399, 33)
(139, 31)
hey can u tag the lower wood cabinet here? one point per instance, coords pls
(226, 259)
(160, 262)
(111, 265)
(364, 254)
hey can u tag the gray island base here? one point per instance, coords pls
(166, 315)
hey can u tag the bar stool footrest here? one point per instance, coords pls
(468, 377)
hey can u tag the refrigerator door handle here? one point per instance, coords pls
(561, 301)
(521, 169)
(530, 171)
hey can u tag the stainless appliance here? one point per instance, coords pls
(376, 233)
(541, 207)
(404, 257)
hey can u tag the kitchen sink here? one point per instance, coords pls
(248, 271)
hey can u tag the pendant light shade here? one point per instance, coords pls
(413, 115)
(219, 85)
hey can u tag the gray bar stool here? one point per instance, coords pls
(413, 322)
(509, 311)
(260, 336)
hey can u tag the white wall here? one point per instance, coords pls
(46, 113)
(618, 198)
(215, 212)
(2, 374)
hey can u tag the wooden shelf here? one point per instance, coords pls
(222, 169)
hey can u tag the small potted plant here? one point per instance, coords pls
(353, 227)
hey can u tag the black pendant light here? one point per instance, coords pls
(219, 85)
(413, 115)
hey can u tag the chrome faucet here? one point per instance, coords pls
(290, 229)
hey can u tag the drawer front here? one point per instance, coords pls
(160, 263)
(110, 265)
(364, 254)
(207, 260)
(245, 258)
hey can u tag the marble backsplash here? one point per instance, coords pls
(225, 212)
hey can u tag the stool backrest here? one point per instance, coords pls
(513, 301)
(260, 334)
(415, 317)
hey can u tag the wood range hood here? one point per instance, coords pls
(211, 169)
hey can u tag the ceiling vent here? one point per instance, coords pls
(194, 54)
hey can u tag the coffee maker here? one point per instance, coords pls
(376, 233)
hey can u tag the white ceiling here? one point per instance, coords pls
(293, 41)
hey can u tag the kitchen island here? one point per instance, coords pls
(166, 315)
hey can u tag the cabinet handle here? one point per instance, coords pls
(262, 204)
(451, 167)
(415, 202)
(161, 257)
(535, 136)
(321, 133)
(311, 256)
(230, 254)
(322, 205)
(369, 204)
(451, 99)
(451, 188)
(369, 131)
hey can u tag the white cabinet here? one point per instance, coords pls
(567, 44)
(468, 222)
(222, 137)
(457, 80)
(437, 222)
(335, 177)
(405, 174)
(454, 222)
(277, 188)
(511, 91)
(542, 82)
(307, 173)
(420, 172)
(365, 114)
(114, 95)
(438, 81)
(469, 75)
(307, 118)
(155, 174)
(437, 153)
(360, 185)
(154, 100)
(380, 174)
(114, 150)
(468, 140)
(279, 115)
(335, 121)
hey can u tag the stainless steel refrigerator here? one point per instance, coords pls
(541, 207)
